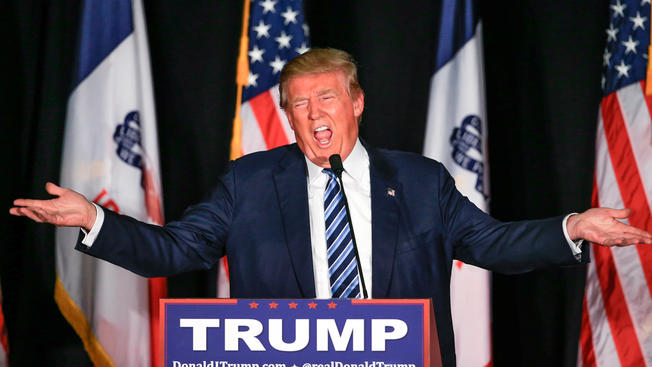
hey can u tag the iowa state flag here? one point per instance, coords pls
(110, 155)
(456, 135)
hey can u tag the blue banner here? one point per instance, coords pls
(293, 333)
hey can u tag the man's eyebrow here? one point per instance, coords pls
(319, 94)
(298, 99)
(325, 91)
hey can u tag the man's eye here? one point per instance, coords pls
(326, 98)
(300, 104)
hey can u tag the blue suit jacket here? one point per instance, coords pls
(258, 216)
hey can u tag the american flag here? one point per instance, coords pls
(617, 307)
(277, 33)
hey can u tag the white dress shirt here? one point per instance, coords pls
(357, 187)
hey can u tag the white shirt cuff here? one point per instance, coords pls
(575, 246)
(89, 237)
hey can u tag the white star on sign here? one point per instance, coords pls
(303, 49)
(623, 70)
(283, 40)
(630, 45)
(611, 33)
(277, 64)
(256, 54)
(606, 57)
(638, 21)
(306, 30)
(618, 8)
(268, 5)
(262, 29)
(290, 16)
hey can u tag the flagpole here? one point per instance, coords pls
(241, 79)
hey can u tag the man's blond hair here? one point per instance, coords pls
(320, 60)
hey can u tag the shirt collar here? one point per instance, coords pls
(355, 165)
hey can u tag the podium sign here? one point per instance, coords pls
(298, 333)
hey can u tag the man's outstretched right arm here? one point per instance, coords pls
(194, 242)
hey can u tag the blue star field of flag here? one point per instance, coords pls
(628, 36)
(277, 33)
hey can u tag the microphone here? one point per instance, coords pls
(337, 168)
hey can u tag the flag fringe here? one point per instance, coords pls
(4, 339)
(76, 318)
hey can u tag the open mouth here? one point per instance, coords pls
(323, 136)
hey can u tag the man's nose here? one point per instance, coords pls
(314, 112)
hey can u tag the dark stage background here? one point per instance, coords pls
(543, 63)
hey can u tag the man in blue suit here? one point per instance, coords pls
(267, 213)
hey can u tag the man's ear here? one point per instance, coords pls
(358, 104)
(289, 119)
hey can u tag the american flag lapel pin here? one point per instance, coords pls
(391, 192)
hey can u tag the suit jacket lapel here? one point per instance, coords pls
(292, 191)
(385, 215)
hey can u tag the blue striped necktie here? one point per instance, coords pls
(342, 266)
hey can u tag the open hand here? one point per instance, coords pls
(600, 226)
(69, 208)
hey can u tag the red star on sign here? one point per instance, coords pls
(312, 305)
(332, 305)
(253, 304)
(273, 305)
(293, 305)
